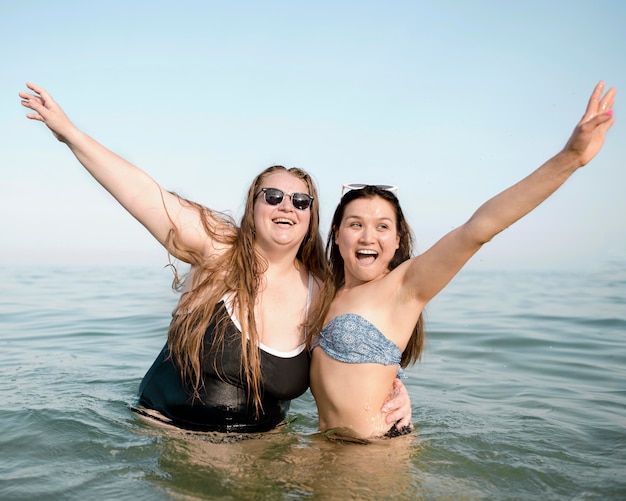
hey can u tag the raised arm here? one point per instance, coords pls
(429, 273)
(157, 209)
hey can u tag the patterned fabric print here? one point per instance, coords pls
(351, 338)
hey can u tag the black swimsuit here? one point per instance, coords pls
(225, 404)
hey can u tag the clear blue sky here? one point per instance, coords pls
(453, 101)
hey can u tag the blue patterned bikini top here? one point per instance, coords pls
(351, 338)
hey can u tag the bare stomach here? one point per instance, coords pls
(349, 397)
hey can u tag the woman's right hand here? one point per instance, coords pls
(47, 111)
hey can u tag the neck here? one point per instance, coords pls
(279, 261)
(351, 282)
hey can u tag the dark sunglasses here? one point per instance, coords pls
(274, 196)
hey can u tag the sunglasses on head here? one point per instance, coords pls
(274, 196)
(359, 186)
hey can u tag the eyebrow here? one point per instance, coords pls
(359, 217)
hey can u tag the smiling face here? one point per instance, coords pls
(367, 238)
(280, 226)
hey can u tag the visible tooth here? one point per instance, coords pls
(286, 221)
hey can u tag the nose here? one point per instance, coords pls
(366, 235)
(283, 202)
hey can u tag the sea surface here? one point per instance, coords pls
(521, 395)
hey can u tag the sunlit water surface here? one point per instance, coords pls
(521, 395)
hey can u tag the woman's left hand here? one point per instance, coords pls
(588, 136)
(398, 406)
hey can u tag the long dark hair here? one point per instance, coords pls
(415, 346)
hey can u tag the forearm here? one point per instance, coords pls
(127, 183)
(515, 202)
(135, 190)
(158, 210)
(582, 146)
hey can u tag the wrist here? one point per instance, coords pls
(568, 161)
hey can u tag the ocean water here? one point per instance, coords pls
(521, 395)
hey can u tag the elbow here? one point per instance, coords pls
(479, 232)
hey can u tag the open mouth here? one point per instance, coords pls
(283, 221)
(366, 256)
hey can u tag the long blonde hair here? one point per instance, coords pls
(237, 273)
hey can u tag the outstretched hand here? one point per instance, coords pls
(46, 111)
(588, 136)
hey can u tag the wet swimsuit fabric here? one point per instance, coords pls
(353, 339)
(224, 403)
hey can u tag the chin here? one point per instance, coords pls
(367, 275)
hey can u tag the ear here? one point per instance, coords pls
(397, 241)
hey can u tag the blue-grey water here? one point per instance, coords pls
(521, 395)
